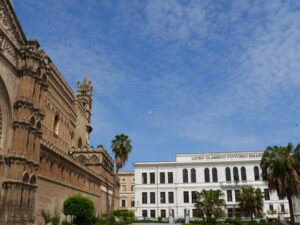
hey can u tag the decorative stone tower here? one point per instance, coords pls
(85, 95)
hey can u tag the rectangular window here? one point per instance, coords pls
(132, 187)
(229, 212)
(162, 197)
(236, 192)
(194, 196)
(144, 212)
(237, 212)
(163, 213)
(282, 208)
(162, 177)
(152, 213)
(152, 178)
(144, 178)
(144, 197)
(229, 196)
(267, 194)
(171, 197)
(123, 203)
(186, 197)
(123, 187)
(170, 177)
(132, 203)
(271, 208)
(196, 213)
(152, 197)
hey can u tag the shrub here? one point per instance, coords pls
(259, 215)
(67, 223)
(228, 220)
(159, 219)
(237, 221)
(46, 216)
(117, 212)
(80, 207)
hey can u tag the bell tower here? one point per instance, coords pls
(85, 95)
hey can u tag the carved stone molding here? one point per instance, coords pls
(8, 50)
(8, 24)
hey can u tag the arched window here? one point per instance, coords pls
(185, 176)
(228, 174)
(79, 143)
(256, 173)
(215, 175)
(206, 175)
(38, 125)
(193, 175)
(56, 125)
(32, 121)
(33, 180)
(236, 174)
(243, 173)
(25, 177)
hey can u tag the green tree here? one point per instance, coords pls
(209, 203)
(82, 208)
(280, 168)
(46, 216)
(121, 146)
(250, 201)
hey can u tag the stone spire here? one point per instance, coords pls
(85, 81)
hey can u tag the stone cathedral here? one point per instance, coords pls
(44, 133)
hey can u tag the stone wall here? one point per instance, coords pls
(41, 122)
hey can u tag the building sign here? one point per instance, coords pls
(225, 156)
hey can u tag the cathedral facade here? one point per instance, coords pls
(45, 155)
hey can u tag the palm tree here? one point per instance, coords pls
(210, 203)
(250, 200)
(121, 146)
(280, 168)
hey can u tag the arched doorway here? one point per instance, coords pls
(5, 116)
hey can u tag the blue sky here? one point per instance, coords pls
(178, 76)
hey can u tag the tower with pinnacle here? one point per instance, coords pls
(85, 95)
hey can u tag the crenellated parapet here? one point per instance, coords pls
(96, 159)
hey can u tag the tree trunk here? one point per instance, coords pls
(289, 197)
(114, 188)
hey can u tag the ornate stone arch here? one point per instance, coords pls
(93, 159)
(82, 159)
(5, 116)
(33, 179)
(25, 177)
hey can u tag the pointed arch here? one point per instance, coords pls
(33, 179)
(82, 159)
(25, 177)
(93, 159)
(5, 115)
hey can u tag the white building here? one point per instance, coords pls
(163, 187)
